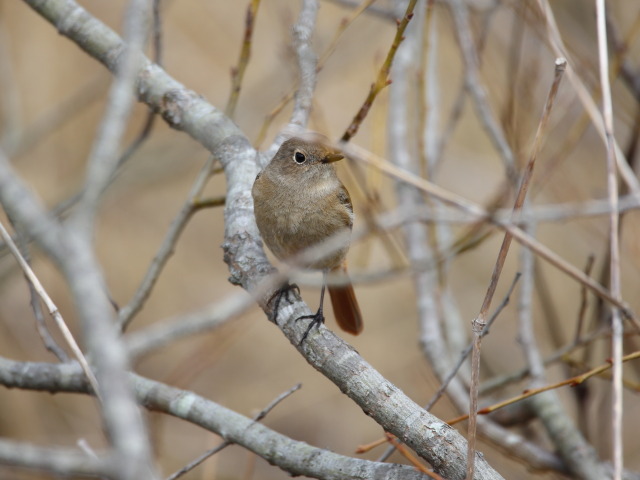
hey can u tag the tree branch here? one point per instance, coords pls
(295, 457)
(442, 446)
(80, 268)
(60, 461)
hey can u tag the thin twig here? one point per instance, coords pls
(614, 243)
(385, 13)
(406, 453)
(382, 80)
(52, 308)
(621, 48)
(579, 128)
(210, 317)
(263, 413)
(630, 385)
(522, 192)
(479, 322)
(237, 73)
(57, 116)
(210, 202)
(583, 300)
(581, 393)
(284, 101)
(457, 109)
(496, 383)
(65, 205)
(402, 145)
(191, 205)
(476, 211)
(475, 85)
(151, 115)
(573, 381)
(467, 350)
(555, 39)
(461, 359)
(103, 159)
(49, 342)
(580, 458)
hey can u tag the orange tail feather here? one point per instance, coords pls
(345, 307)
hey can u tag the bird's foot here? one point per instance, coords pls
(285, 291)
(316, 319)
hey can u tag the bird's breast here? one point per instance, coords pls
(293, 218)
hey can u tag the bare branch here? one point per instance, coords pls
(572, 382)
(237, 73)
(382, 80)
(302, 32)
(181, 108)
(465, 353)
(75, 257)
(579, 456)
(151, 116)
(34, 299)
(320, 64)
(81, 270)
(56, 460)
(104, 155)
(295, 457)
(159, 335)
(630, 74)
(10, 101)
(53, 309)
(462, 358)
(614, 241)
(479, 213)
(479, 323)
(385, 13)
(189, 112)
(263, 413)
(64, 110)
(126, 314)
(475, 86)
(589, 104)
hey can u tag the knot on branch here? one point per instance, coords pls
(174, 103)
(246, 261)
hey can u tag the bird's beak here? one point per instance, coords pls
(332, 157)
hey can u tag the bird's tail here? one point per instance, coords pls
(345, 305)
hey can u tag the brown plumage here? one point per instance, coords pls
(345, 306)
(299, 202)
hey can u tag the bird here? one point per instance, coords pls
(300, 202)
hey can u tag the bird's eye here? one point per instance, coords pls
(299, 157)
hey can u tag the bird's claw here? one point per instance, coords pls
(316, 320)
(278, 294)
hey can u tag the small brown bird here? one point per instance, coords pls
(299, 202)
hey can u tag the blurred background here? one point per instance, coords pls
(52, 98)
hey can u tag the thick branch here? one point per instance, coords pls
(297, 458)
(83, 274)
(307, 60)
